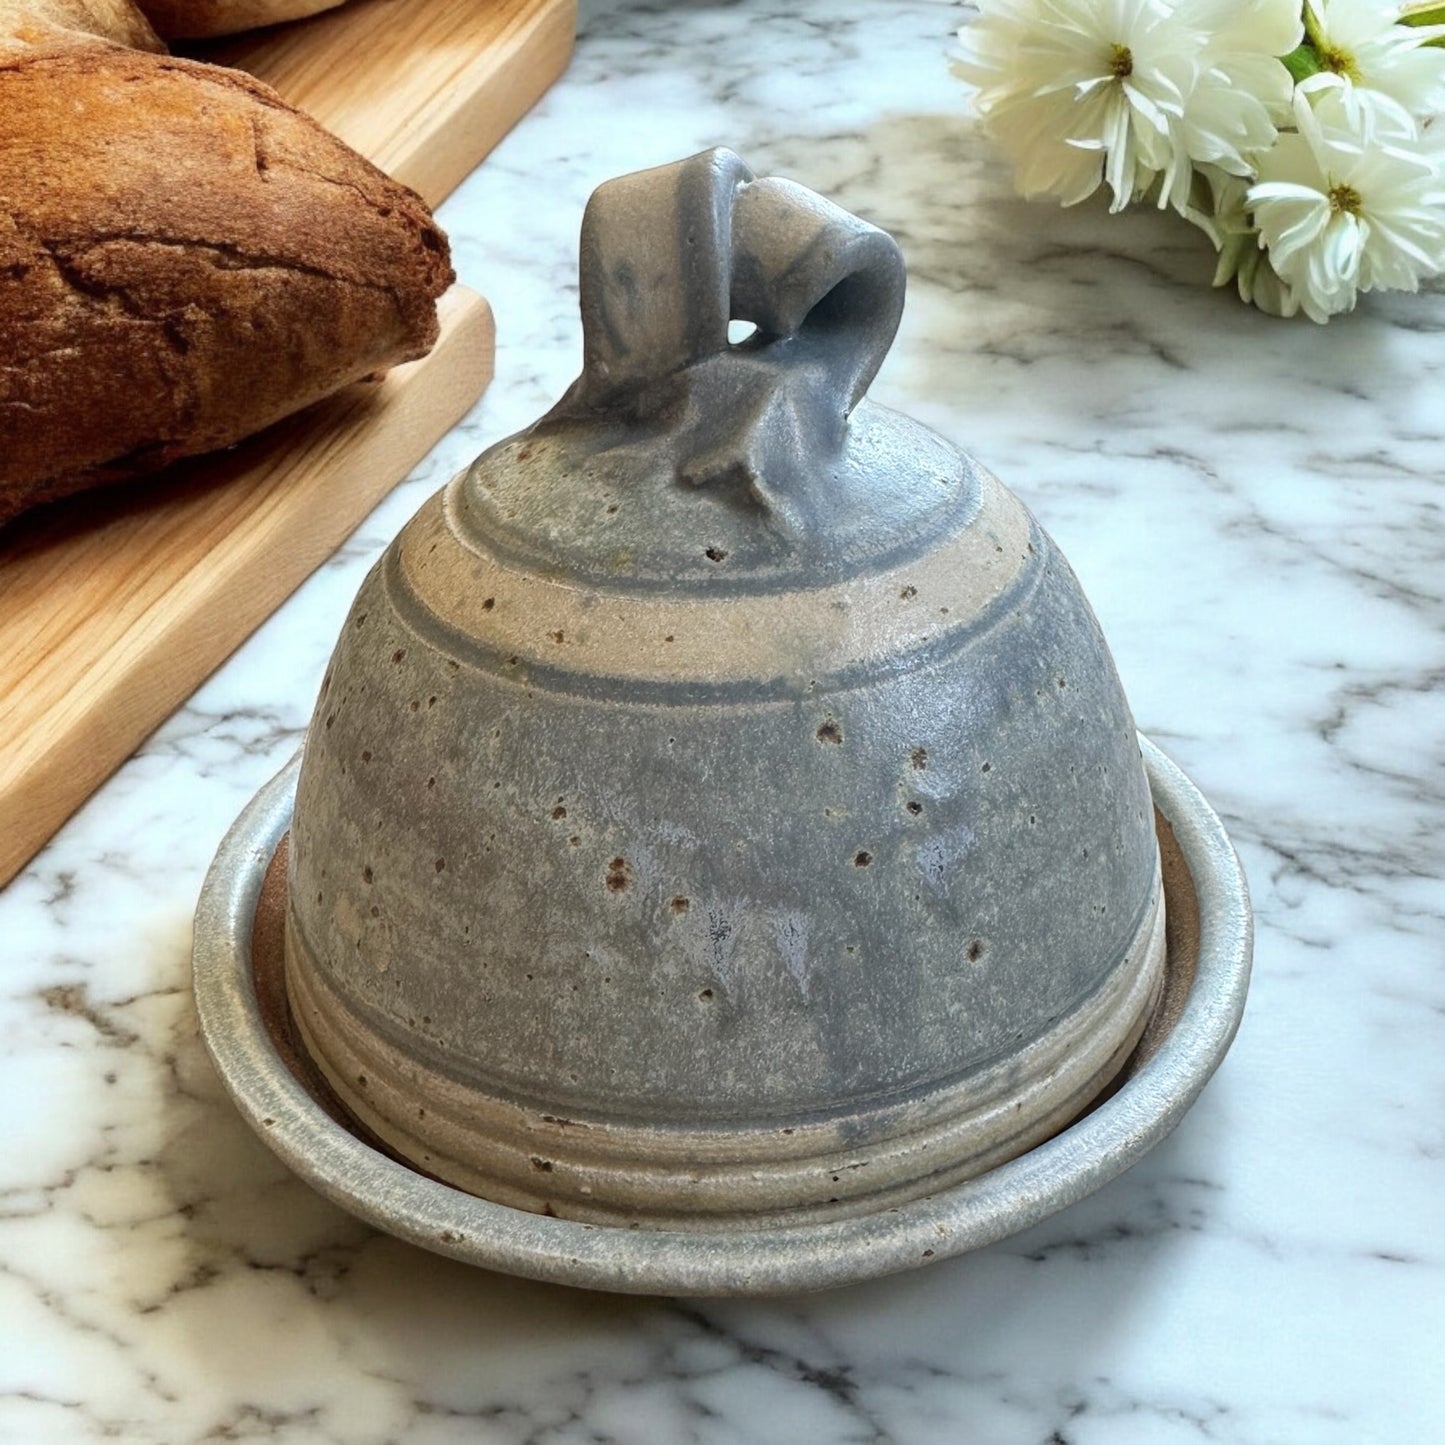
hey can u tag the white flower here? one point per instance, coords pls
(1219, 210)
(1246, 42)
(1242, 88)
(1076, 91)
(1390, 70)
(1132, 92)
(1344, 209)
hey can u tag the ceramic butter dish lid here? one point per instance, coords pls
(722, 834)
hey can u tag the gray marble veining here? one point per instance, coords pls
(1254, 509)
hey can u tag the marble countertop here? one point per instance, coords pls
(1254, 509)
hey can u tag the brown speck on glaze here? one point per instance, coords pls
(365, 756)
(862, 858)
(975, 951)
(680, 904)
(919, 758)
(717, 554)
(398, 654)
(558, 813)
(619, 875)
(706, 995)
(441, 865)
(830, 732)
(488, 604)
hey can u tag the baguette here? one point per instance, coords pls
(184, 259)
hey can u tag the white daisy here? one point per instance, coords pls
(1242, 89)
(1344, 209)
(1132, 92)
(1389, 68)
(1079, 91)
(1247, 41)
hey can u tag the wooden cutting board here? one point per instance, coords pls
(424, 88)
(114, 608)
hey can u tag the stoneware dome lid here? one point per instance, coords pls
(721, 817)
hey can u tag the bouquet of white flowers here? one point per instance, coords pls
(1301, 143)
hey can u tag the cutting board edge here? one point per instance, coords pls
(72, 762)
(434, 171)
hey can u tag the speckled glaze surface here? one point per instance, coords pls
(1207, 967)
(721, 807)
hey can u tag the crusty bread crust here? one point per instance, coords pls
(184, 259)
(197, 19)
(31, 23)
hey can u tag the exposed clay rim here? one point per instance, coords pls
(273, 1084)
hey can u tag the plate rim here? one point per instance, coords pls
(752, 1262)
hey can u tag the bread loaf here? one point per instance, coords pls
(33, 23)
(197, 19)
(184, 259)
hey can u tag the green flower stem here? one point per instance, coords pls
(1306, 59)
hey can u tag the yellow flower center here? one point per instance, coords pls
(1121, 61)
(1345, 200)
(1339, 62)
